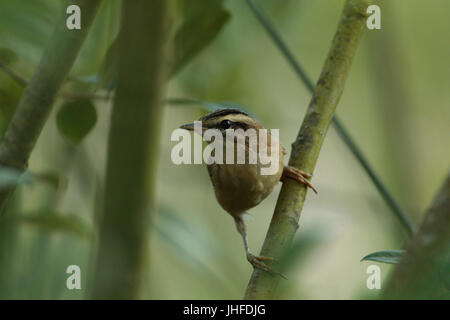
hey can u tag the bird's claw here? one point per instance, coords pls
(258, 263)
(299, 176)
(300, 172)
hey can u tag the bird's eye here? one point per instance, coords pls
(225, 124)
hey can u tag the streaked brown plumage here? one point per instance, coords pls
(240, 187)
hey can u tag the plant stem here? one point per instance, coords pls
(306, 148)
(132, 151)
(66, 95)
(424, 270)
(14, 75)
(345, 135)
(37, 99)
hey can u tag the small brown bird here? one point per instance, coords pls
(239, 187)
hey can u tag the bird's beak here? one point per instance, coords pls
(190, 127)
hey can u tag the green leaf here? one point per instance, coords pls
(109, 69)
(7, 56)
(102, 33)
(66, 223)
(385, 256)
(201, 25)
(191, 8)
(202, 22)
(12, 176)
(40, 16)
(75, 119)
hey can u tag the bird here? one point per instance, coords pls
(240, 187)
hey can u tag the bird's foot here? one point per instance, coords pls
(297, 175)
(258, 263)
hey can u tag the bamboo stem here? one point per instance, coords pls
(37, 100)
(339, 126)
(306, 148)
(132, 151)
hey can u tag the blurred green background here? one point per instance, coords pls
(396, 105)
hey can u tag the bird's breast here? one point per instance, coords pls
(239, 187)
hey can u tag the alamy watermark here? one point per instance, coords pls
(248, 146)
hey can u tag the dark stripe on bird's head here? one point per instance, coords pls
(221, 113)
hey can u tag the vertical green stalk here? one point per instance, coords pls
(37, 100)
(306, 148)
(132, 151)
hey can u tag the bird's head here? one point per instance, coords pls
(224, 119)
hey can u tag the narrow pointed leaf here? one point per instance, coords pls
(385, 256)
(108, 74)
(66, 223)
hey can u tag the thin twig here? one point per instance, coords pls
(14, 75)
(66, 95)
(343, 132)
